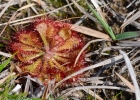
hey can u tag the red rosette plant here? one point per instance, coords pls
(47, 50)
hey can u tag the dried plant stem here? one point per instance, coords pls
(5, 78)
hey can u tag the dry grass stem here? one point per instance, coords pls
(132, 74)
(5, 54)
(126, 82)
(90, 32)
(5, 78)
(131, 19)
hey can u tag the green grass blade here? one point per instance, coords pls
(127, 35)
(114, 97)
(104, 24)
(6, 62)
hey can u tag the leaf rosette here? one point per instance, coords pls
(48, 49)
